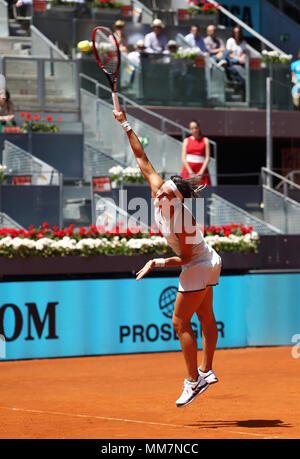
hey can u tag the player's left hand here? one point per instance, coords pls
(148, 266)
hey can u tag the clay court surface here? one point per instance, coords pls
(133, 396)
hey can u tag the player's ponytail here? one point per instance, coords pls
(189, 188)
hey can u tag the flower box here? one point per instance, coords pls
(112, 14)
(63, 11)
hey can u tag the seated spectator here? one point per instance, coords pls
(172, 47)
(194, 39)
(236, 45)
(135, 56)
(295, 68)
(23, 7)
(119, 26)
(6, 109)
(215, 46)
(156, 41)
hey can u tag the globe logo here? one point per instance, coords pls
(167, 301)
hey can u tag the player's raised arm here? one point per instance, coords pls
(150, 174)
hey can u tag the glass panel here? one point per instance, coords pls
(282, 93)
(168, 81)
(257, 90)
(60, 84)
(22, 81)
(3, 19)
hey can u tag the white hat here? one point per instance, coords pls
(140, 44)
(157, 23)
(2, 94)
(172, 43)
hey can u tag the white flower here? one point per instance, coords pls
(116, 170)
(254, 235)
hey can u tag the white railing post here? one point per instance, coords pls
(269, 139)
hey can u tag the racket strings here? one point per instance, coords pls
(107, 50)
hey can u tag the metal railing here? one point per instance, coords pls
(279, 209)
(140, 12)
(96, 163)
(106, 213)
(166, 148)
(20, 162)
(249, 29)
(42, 84)
(8, 222)
(41, 46)
(223, 212)
(291, 176)
(4, 31)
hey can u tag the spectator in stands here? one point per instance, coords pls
(6, 109)
(22, 7)
(156, 41)
(119, 27)
(194, 39)
(195, 154)
(135, 56)
(295, 68)
(236, 45)
(172, 47)
(215, 46)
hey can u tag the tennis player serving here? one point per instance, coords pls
(200, 267)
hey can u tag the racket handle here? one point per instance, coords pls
(116, 101)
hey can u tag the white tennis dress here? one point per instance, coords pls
(205, 267)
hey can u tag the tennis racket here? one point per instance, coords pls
(107, 54)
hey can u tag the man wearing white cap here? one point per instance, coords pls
(135, 56)
(156, 41)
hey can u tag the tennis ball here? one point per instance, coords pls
(84, 46)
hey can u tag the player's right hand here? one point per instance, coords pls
(120, 116)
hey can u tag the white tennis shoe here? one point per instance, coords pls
(191, 390)
(209, 376)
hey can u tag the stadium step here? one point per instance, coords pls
(15, 46)
(76, 205)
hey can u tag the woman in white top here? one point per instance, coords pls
(200, 266)
(236, 45)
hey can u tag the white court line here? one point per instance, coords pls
(103, 418)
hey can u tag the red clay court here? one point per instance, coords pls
(133, 396)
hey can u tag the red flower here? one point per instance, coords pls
(22, 113)
(59, 118)
(49, 118)
(55, 228)
(45, 225)
(37, 117)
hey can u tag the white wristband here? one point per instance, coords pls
(160, 262)
(126, 126)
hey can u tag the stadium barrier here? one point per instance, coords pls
(107, 316)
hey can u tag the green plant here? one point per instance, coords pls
(40, 127)
(106, 4)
